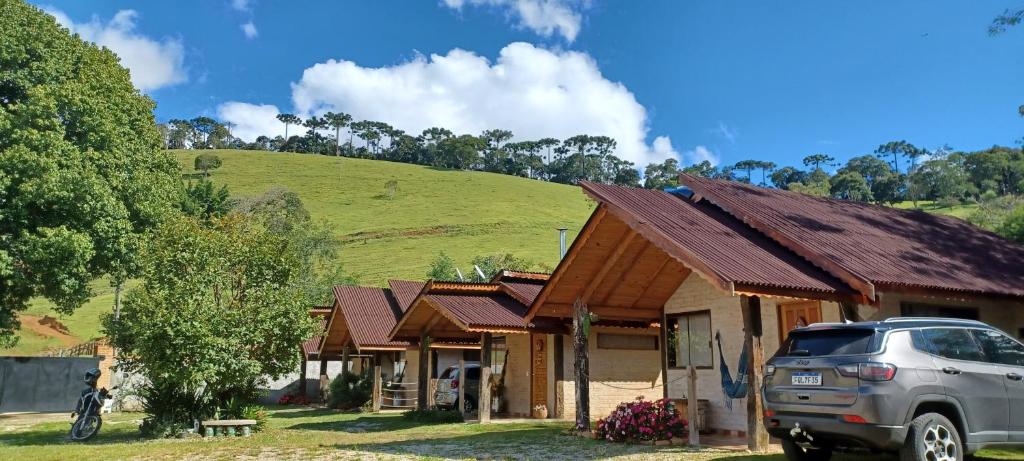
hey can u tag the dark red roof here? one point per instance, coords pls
(404, 291)
(882, 246)
(524, 292)
(709, 239)
(311, 347)
(482, 310)
(370, 313)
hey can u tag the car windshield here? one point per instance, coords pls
(450, 373)
(817, 343)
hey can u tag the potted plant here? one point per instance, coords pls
(540, 411)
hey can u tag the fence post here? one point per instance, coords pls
(693, 406)
(377, 386)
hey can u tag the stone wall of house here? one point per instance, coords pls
(616, 375)
(696, 294)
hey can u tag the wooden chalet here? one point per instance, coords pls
(722, 266)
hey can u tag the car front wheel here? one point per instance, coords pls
(794, 452)
(932, 437)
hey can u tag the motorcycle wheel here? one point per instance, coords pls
(86, 428)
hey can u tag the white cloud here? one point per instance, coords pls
(531, 91)
(241, 5)
(252, 120)
(249, 29)
(153, 64)
(544, 17)
(700, 154)
(724, 130)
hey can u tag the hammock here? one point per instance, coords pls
(733, 389)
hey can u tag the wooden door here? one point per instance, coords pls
(792, 315)
(538, 370)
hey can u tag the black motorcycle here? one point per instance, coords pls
(88, 409)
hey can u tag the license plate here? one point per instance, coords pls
(806, 378)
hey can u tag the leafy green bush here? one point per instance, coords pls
(258, 413)
(350, 390)
(171, 408)
(433, 416)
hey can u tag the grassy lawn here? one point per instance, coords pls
(959, 211)
(326, 435)
(463, 213)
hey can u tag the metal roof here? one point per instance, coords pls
(370, 313)
(869, 245)
(712, 242)
(404, 291)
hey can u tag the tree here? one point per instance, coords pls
(204, 202)
(1008, 18)
(747, 166)
(83, 173)
(885, 184)
(337, 121)
(207, 162)
(783, 177)
(662, 175)
(817, 160)
(492, 264)
(288, 119)
(442, 268)
(850, 185)
(765, 168)
(703, 169)
(218, 309)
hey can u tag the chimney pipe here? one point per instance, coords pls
(561, 242)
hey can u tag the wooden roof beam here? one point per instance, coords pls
(609, 263)
(566, 262)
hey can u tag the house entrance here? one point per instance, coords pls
(798, 314)
(538, 370)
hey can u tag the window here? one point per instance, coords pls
(1000, 348)
(630, 342)
(952, 343)
(689, 340)
(499, 355)
(819, 343)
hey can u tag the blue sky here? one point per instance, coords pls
(725, 80)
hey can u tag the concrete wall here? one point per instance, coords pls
(616, 376)
(43, 384)
(696, 294)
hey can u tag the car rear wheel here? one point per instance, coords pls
(795, 452)
(932, 437)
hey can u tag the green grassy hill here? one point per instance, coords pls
(462, 213)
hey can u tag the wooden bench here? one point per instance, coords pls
(215, 427)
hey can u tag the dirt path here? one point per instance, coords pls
(48, 327)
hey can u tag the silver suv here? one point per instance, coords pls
(930, 389)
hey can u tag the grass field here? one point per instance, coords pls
(302, 433)
(960, 211)
(464, 214)
(461, 213)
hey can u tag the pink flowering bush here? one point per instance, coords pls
(641, 420)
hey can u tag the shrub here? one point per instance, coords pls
(350, 390)
(641, 420)
(171, 408)
(289, 399)
(258, 413)
(433, 416)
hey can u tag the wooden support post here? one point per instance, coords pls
(378, 385)
(325, 381)
(345, 358)
(423, 379)
(302, 375)
(581, 365)
(559, 376)
(462, 386)
(757, 436)
(663, 333)
(692, 406)
(484, 403)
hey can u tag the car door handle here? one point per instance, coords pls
(951, 371)
(1014, 376)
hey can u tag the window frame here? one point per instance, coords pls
(984, 356)
(988, 359)
(669, 318)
